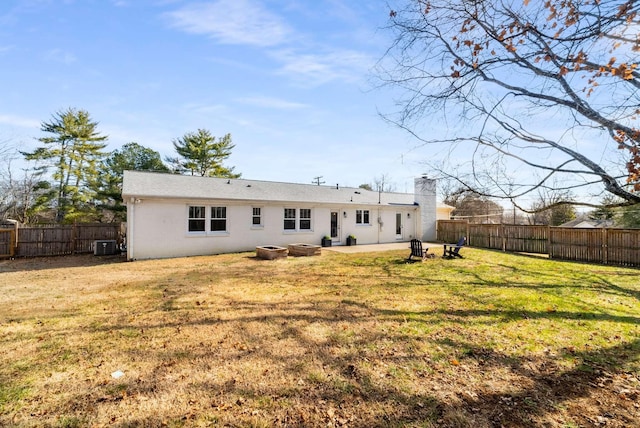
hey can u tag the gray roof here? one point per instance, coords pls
(141, 184)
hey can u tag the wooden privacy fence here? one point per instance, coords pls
(608, 246)
(56, 240)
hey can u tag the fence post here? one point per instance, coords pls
(605, 246)
(468, 229)
(74, 247)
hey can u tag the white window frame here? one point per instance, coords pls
(305, 219)
(259, 216)
(287, 219)
(297, 220)
(198, 218)
(363, 218)
(214, 212)
(208, 218)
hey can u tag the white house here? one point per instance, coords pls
(176, 215)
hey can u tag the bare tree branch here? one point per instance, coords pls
(519, 75)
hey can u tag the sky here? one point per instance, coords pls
(292, 81)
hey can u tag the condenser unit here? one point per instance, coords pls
(105, 248)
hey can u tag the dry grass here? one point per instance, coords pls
(356, 340)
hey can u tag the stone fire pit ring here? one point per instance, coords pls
(270, 252)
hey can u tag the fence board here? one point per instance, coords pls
(44, 241)
(85, 234)
(452, 230)
(525, 239)
(623, 247)
(485, 236)
(585, 245)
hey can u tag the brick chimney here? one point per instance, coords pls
(425, 197)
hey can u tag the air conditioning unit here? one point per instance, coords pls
(105, 248)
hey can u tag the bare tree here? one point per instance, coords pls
(550, 208)
(532, 96)
(20, 190)
(474, 208)
(382, 183)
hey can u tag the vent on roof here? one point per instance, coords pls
(105, 248)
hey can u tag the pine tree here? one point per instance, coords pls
(200, 154)
(72, 150)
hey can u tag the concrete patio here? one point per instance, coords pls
(406, 245)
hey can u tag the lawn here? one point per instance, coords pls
(355, 340)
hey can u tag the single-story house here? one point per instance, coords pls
(584, 221)
(171, 215)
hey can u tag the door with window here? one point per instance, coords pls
(398, 225)
(334, 225)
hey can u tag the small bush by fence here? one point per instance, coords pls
(56, 240)
(607, 246)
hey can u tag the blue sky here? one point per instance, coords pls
(290, 80)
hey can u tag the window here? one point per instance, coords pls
(297, 219)
(305, 219)
(362, 216)
(256, 219)
(218, 219)
(289, 219)
(196, 219)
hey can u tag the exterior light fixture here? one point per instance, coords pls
(344, 213)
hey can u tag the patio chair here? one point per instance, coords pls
(453, 250)
(417, 250)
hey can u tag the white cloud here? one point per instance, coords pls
(272, 103)
(243, 22)
(317, 69)
(58, 55)
(22, 122)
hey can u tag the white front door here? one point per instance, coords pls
(335, 225)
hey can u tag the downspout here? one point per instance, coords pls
(131, 214)
(379, 221)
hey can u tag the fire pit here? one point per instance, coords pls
(270, 252)
(304, 250)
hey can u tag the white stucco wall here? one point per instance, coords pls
(158, 228)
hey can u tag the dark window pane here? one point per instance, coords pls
(196, 212)
(218, 212)
(218, 225)
(196, 225)
(289, 224)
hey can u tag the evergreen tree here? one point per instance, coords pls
(72, 150)
(630, 216)
(200, 154)
(133, 157)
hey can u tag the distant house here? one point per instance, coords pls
(586, 222)
(175, 215)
